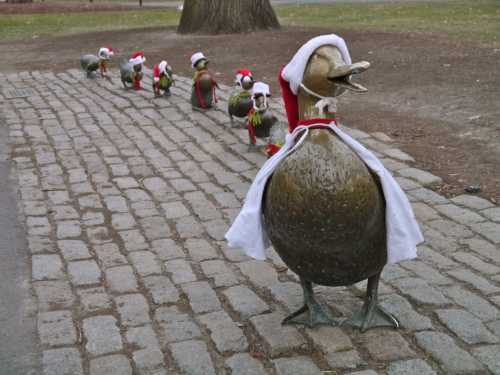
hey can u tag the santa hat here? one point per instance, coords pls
(241, 74)
(137, 58)
(290, 77)
(163, 66)
(197, 57)
(105, 52)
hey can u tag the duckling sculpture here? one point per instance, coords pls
(91, 63)
(277, 137)
(163, 79)
(203, 91)
(131, 71)
(334, 214)
(240, 102)
(260, 117)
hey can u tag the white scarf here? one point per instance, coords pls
(403, 233)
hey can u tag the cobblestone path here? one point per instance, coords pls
(126, 200)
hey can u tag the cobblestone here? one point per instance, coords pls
(126, 203)
(407, 316)
(56, 328)
(84, 272)
(243, 363)
(387, 346)
(466, 326)
(180, 271)
(63, 361)
(202, 297)
(278, 339)
(145, 263)
(121, 279)
(161, 289)
(410, 367)
(296, 366)
(47, 267)
(53, 295)
(176, 326)
(488, 355)
(224, 332)
(421, 292)
(133, 309)
(345, 360)
(102, 334)
(473, 202)
(110, 365)
(193, 358)
(453, 359)
(94, 300)
(473, 303)
(245, 302)
(422, 177)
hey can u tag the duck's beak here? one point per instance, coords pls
(341, 75)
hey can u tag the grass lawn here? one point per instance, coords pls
(19, 26)
(470, 19)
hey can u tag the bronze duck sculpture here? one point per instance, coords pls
(131, 71)
(317, 201)
(240, 102)
(91, 63)
(260, 117)
(163, 79)
(203, 94)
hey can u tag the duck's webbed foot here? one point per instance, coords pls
(312, 313)
(372, 314)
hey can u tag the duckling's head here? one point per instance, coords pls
(328, 75)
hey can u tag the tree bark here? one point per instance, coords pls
(226, 16)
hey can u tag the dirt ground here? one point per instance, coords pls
(436, 97)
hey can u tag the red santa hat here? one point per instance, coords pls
(290, 77)
(158, 69)
(241, 74)
(105, 52)
(137, 58)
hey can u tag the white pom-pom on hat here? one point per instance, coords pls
(105, 52)
(137, 58)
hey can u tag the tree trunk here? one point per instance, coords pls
(226, 16)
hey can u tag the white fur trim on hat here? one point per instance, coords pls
(261, 88)
(137, 59)
(163, 66)
(294, 70)
(197, 57)
(105, 53)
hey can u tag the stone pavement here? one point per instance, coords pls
(126, 200)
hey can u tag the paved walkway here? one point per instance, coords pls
(126, 200)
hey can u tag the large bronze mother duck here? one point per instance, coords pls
(331, 210)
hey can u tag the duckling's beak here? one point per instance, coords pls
(341, 75)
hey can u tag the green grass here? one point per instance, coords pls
(470, 19)
(21, 26)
